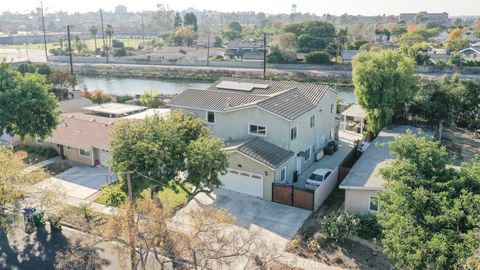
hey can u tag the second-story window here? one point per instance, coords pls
(211, 117)
(257, 130)
(332, 106)
(293, 133)
(312, 121)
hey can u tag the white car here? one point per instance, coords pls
(318, 176)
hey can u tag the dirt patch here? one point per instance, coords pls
(351, 254)
(57, 168)
(76, 217)
(461, 144)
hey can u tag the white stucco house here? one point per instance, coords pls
(364, 181)
(272, 129)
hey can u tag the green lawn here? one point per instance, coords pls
(90, 43)
(168, 197)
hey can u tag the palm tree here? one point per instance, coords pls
(93, 30)
(109, 33)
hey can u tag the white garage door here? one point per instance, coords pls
(104, 156)
(243, 182)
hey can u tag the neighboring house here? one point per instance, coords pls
(438, 55)
(288, 121)
(364, 182)
(83, 134)
(347, 55)
(471, 53)
(239, 49)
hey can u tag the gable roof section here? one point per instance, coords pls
(286, 99)
(264, 152)
(81, 133)
(290, 104)
(213, 100)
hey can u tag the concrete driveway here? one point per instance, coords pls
(277, 222)
(80, 182)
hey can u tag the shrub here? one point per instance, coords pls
(124, 98)
(281, 56)
(317, 58)
(336, 226)
(368, 227)
(114, 195)
(117, 44)
(120, 52)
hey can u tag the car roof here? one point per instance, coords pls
(321, 171)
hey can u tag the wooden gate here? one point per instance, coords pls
(293, 196)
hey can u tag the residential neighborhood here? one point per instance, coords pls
(204, 135)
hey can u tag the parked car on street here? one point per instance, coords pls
(318, 176)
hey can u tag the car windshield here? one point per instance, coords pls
(316, 177)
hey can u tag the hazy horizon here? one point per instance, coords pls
(319, 7)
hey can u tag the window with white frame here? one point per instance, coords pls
(211, 117)
(257, 130)
(85, 153)
(283, 175)
(312, 121)
(373, 204)
(69, 148)
(293, 133)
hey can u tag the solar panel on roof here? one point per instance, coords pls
(240, 86)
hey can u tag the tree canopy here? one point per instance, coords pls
(175, 152)
(429, 211)
(190, 19)
(385, 84)
(27, 105)
(312, 35)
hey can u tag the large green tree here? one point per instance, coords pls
(27, 105)
(429, 211)
(385, 84)
(190, 19)
(312, 35)
(175, 152)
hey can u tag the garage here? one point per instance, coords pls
(243, 182)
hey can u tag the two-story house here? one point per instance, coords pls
(272, 129)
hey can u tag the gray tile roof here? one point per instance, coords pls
(290, 104)
(265, 152)
(213, 100)
(287, 99)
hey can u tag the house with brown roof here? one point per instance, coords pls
(272, 129)
(84, 132)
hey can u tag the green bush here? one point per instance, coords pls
(336, 226)
(368, 227)
(281, 56)
(114, 195)
(120, 52)
(124, 98)
(117, 44)
(317, 58)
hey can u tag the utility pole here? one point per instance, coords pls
(103, 33)
(70, 48)
(264, 56)
(44, 33)
(208, 50)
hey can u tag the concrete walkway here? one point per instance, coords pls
(41, 164)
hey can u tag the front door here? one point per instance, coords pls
(299, 164)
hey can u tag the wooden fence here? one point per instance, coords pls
(293, 196)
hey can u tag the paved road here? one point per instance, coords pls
(40, 249)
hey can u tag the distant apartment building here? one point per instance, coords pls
(439, 18)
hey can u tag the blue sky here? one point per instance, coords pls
(336, 7)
